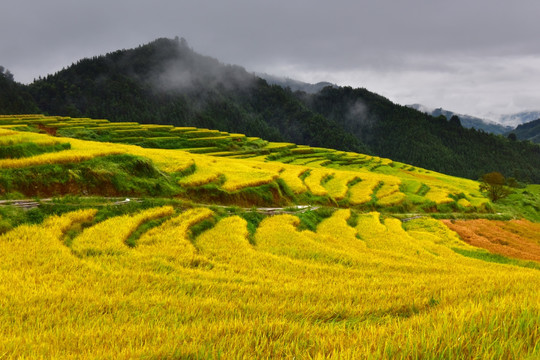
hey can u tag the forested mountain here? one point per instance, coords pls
(166, 82)
(528, 131)
(404, 134)
(295, 85)
(466, 120)
(14, 97)
(520, 118)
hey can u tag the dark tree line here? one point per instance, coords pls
(14, 97)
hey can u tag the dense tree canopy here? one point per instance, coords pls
(14, 97)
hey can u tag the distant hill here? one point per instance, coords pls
(519, 118)
(166, 82)
(528, 131)
(295, 85)
(407, 135)
(14, 97)
(466, 120)
(528, 128)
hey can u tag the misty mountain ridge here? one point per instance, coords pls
(528, 131)
(467, 121)
(506, 121)
(519, 118)
(166, 82)
(295, 85)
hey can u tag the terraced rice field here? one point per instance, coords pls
(370, 288)
(343, 279)
(348, 178)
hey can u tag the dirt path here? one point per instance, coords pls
(33, 203)
(116, 201)
(28, 204)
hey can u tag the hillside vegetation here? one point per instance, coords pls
(166, 82)
(216, 166)
(407, 135)
(529, 131)
(230, 246)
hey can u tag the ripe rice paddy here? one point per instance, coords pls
(215, 282)
(370, 290)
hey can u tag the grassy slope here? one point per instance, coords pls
(332, 174)
(340, 291)
(170, 279)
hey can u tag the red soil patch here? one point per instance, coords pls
(518, 239)
(48, 130)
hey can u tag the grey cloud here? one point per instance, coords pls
(399, 46)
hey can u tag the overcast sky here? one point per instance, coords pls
(479, 57)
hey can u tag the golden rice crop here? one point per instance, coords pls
(165, 159)
(382, 289)
(314, 181)
(292, 294)
(80, 151)
(6, 132)
(67, 156)
(464, 203)
(369, 226)
(109, 236)
(201, 176)
(436, 238)
(337, 186)
(247, 176)
(279, 145)
(438, 195)
(182, 129)
(9, 137)
(361, 192)
(222, 137)
(339, 234)
(388, 188)
(388, 236)
(412, 186)
(240, 173)
(392, 199)
(30, 247)
(439, 232)
(278, 235)
(291, 176)
(225, 240)
(404, 241)
(237, 175)
(169, 242)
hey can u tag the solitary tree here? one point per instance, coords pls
(493, 184)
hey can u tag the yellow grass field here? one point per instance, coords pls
(374, 290)
(353, 183)
(346, 260)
